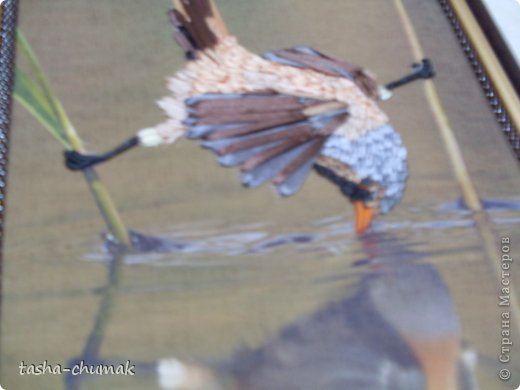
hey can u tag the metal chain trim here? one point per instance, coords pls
(7, 54)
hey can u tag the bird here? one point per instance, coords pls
(278, 115)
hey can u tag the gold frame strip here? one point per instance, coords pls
(491, 64)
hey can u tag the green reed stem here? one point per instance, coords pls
(38, 97)
(107, 207)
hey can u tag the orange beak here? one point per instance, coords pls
(364, 216)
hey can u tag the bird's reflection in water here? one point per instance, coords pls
(399, 331)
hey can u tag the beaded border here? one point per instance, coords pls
(7, 56)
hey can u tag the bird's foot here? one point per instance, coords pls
(76, 161)
(424, 69)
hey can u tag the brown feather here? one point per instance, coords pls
(251, 103)
(268, 154)
(202, 21)
(324, 64)
(313, 62)
(302, 129)
(181, 34)
(299, 161)
(270, 122)
(333, 125)
(218, 118)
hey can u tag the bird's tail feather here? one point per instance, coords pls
(198, 25)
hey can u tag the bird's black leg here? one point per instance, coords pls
(76, 161)
(423, 70)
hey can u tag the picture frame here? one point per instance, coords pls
(232, 288)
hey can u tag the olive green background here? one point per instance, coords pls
(108, 61)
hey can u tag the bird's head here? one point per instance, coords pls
(366, 198)
(378, 161)
(371, 197)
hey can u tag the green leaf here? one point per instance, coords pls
(31, 96)
(25, 86)
(47, 93)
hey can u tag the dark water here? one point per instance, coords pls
(244, 289)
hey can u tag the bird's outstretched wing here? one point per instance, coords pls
(308, 58)
(270, 136)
